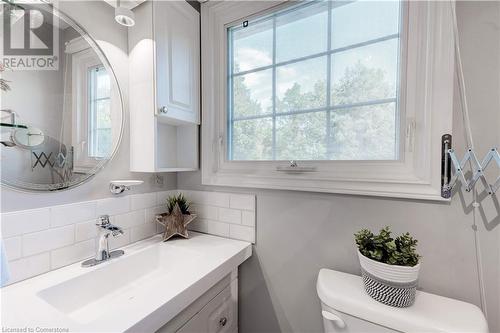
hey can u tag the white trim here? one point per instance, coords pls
(428, 105)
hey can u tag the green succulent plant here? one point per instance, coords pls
(401, 250)
(179, 199)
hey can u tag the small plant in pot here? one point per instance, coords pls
(389, 266)
(177, 217)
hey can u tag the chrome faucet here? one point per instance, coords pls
(103, 254)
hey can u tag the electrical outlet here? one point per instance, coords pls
(159, 181)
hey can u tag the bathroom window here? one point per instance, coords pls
(99, 113)
(307, 84)
(356, 93)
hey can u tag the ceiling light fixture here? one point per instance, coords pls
(124, 16)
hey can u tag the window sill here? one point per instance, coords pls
(409, 188)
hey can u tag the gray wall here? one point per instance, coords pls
(298, 233)
(113, 39)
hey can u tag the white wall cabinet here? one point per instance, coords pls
(164, 57)
(177, 36)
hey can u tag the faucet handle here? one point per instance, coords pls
(103, 221)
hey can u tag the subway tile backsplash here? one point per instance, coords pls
(40, 240)
(46, 240)
(219, 211)
(72, 213)
(26, 221)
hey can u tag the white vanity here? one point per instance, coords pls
(175, 286)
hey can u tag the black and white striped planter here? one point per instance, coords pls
(389, 284)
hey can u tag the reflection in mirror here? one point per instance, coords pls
(60, 121)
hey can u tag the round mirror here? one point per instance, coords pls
(61, 107)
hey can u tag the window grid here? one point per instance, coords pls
(328, 108)
(323, 109)
(328, 83)
(229, 97)
(317, 55)
(273, 148)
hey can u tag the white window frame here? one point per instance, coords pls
(427, 102)
(81, 62)
(83, 58)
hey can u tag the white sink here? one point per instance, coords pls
(94, 294)
(138, 292)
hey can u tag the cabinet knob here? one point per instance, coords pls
(223, 321)
(163, 109)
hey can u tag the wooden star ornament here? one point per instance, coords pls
(175, 223)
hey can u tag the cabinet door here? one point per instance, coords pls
(220, 315)
(177, 37)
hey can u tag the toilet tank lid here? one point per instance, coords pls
(430, 313)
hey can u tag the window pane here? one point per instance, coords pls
(99, 113)
(302, 31)
(252, 139)
(318, 98)
(103, 113)
(100, 129)
(301, 85)
(252, 45)
(252, 94)
(364, 133)
(102, 83)
(103, 139)
(365, 73)
(360, 21)
(301, 137)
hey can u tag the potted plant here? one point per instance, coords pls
(389, 266)
(177, 217)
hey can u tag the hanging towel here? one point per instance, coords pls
(4, 274)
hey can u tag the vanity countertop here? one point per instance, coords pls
(138, 292)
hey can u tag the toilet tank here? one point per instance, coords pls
(346, 308)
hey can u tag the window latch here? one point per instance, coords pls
(293, 167)
(446, 186)
(218, 142)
